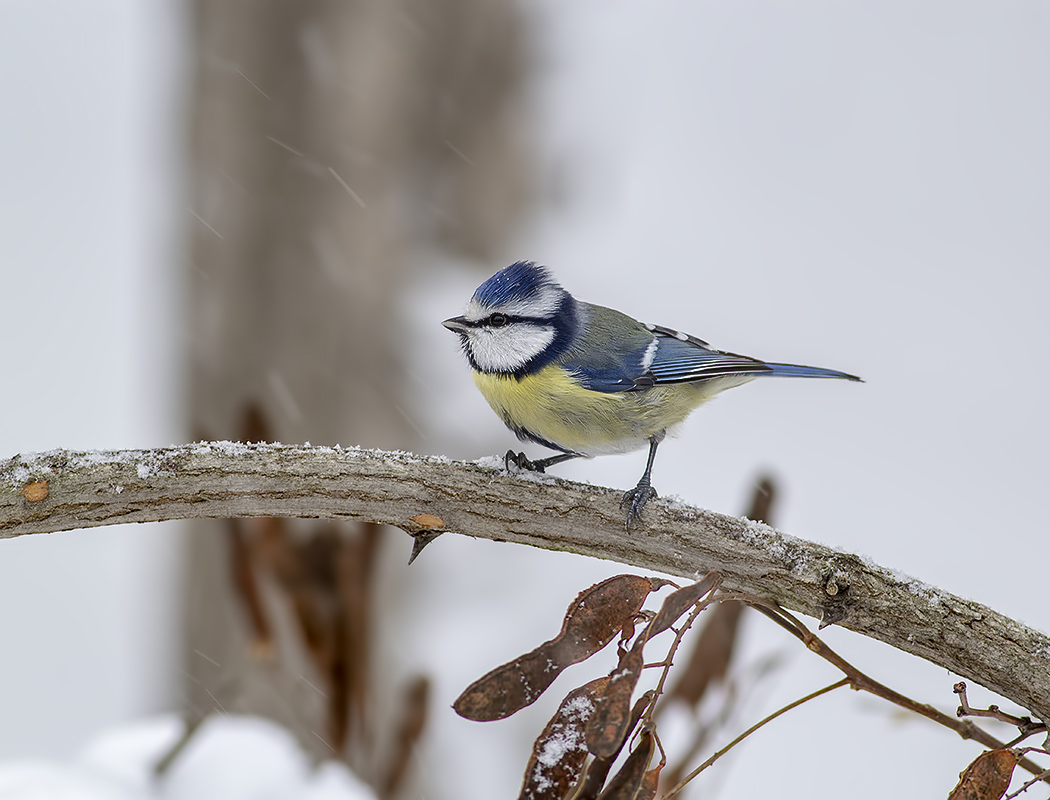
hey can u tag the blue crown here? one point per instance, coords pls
(522, 280)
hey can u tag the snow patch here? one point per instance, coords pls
(488, 462)
(228, 757)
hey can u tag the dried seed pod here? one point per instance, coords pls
(599, 768)
(593, 619)
(630, 782)
(650, 783)
(680, 601)
(560, 751)
(987, 778)
(607, 726)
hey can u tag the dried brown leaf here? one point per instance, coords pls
(559, 753)
(680, 601)
(987, 778)
(508, 688)
(630, 782)
(599, 768)
(598, 614)
(607, 726)
(650, 783)
(593, 619)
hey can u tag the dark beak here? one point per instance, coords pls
(456, 324)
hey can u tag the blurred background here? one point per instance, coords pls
(246, 220)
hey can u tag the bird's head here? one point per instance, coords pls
(517, 322)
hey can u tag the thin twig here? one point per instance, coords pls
(647, 718)
(1042, 776)
(795, 704)
(860, 681)
(735, 698)
(1045, 775)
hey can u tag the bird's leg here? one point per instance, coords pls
(636, 498)
(521, 461)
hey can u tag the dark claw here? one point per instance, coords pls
(521, 461)
(635, 500)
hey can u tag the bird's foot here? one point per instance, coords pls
(634, 501)
(521, 461)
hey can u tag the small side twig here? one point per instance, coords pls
(862, 682)
(795, 704)
(1025, 725)
(647, 718)
(736, 694)
(1044, 775)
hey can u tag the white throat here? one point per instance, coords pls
(510, 348)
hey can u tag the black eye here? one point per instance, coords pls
(498, 320)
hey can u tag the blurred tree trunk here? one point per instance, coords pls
(332, 141)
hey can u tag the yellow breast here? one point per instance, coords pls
(551, 405)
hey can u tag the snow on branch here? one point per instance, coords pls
(65, 490)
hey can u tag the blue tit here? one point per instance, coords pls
(587, 380)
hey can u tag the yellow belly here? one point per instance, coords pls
(552, 406)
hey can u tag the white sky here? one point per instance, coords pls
(860, 186)
(87, 230)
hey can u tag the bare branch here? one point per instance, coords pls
(64, 490)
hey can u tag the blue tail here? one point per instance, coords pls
(799, 371)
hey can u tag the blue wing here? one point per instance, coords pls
(680, 358)
(671, 357)
(615, 372)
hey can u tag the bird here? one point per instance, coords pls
(586, 380)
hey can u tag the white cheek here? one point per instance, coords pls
(508, 349)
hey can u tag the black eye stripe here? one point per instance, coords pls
(510, 318)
